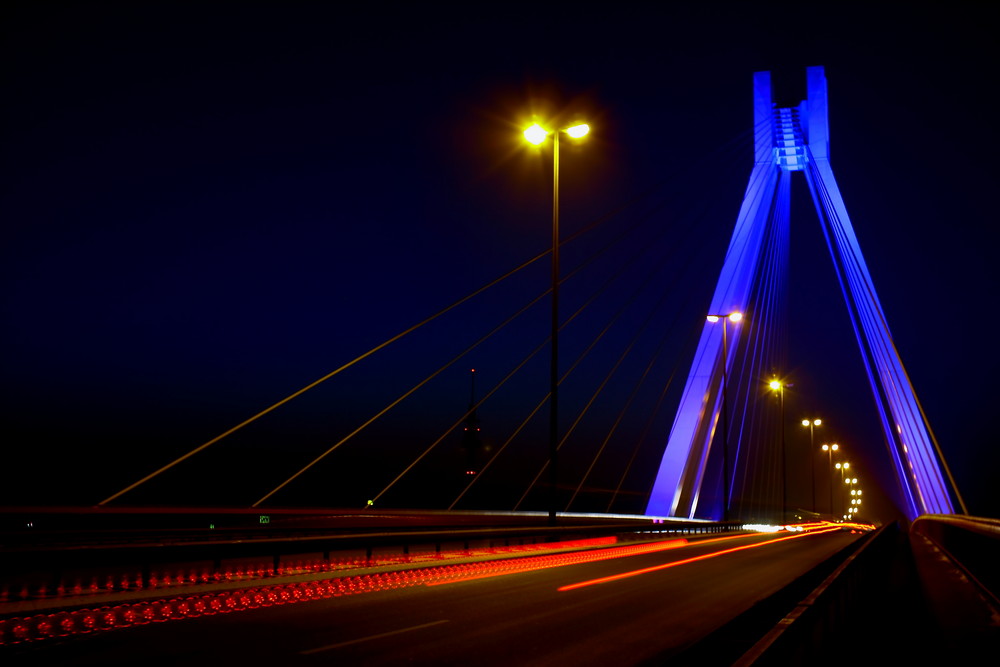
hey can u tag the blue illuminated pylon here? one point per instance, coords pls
(788, 140)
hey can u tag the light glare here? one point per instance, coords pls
(535, 134)
(578, 131)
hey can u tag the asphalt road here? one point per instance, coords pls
(520, 619)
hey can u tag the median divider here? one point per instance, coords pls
(235, 597)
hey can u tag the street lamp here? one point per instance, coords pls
(842, 467)
(851, 482)
(735, 318)
(830, 449)
(812, 423)
(780, 388)
(536, 134)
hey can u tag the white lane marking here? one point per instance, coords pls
(371, 637)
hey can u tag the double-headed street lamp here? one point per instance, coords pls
(830, 449)
(779, 387)
(812, 423)
(735, 318)
(536, 135)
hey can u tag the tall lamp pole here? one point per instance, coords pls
(812, 423)
(780, 388)
(536, 134)
(735, 318)
(830, 449)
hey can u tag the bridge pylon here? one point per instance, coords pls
(789, 140)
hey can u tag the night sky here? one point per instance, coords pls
(209, 206)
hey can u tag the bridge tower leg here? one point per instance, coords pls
(787, 140)
(682, 469)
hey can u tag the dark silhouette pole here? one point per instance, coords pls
(554, 363)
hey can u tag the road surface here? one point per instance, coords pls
(655, 606)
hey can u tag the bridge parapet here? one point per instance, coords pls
(957, 558)
(51, 558)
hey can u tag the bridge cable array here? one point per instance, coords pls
(894, 393)
(536, 350)
(615, 214)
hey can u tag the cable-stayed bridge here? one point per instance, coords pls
(723, 418)
(724, 455)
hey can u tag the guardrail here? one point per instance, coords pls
(64, 552)
(971, 543)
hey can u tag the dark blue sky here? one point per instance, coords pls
(207, 208)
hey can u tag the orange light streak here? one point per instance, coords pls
(517, 566)
(694, 559)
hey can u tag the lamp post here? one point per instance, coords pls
(735, 318)
(812, 423)
(536, 134)
(830, 449)
(780, 388)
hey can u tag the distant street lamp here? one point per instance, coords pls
(779, 387)
(851, 482)
(842, 467)
(830, 449)
(735, 318)
(812, 423)
(536, 134)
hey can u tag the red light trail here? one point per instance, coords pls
(559, 560)
(694, 559)
(82, 621)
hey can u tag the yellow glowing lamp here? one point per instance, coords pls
(817, 422)
(836, 447)
(578, 131)
(775, 385)
(535, 134)
(806, 422)
(735, 317)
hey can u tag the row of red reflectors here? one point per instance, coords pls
(81, 621)
(164, 580)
